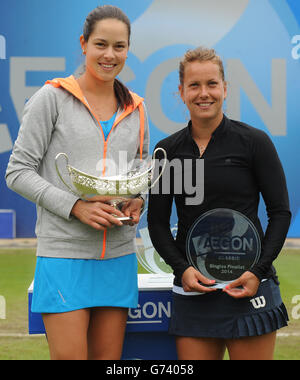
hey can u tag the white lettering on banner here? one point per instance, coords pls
(151, 311)
(127, 75)
(2, 308)
(296, 49)
(153, 96)
(5, 139)
(274, 116)
(204, 13)
(2, 47)
(19, 66)
(296, 309)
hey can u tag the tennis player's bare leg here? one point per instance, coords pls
(252, 348)
(189, 348)
(67, 334)
(106, 333)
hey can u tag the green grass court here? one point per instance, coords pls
(17, 271)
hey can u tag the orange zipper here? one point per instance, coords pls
(65, 83)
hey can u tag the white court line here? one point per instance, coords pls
(287, 335)
(20, 335)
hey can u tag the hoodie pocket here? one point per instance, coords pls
(124, 233)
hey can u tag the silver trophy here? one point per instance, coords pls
(119, 188)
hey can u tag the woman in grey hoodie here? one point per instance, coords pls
(86, 272)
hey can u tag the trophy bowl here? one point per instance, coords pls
(120, 188)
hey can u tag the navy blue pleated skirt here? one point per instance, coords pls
(217, 315)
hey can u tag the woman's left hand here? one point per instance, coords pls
(245, 286)
(133, 208)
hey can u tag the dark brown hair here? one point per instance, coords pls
(100, 13)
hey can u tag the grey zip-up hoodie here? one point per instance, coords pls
(58, 119)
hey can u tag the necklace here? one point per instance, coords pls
(202, 144)
(202, 149)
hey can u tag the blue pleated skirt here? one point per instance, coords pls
(62, 285)
(217, 315)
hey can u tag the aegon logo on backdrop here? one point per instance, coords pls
(2, 308)
(258, 87)
(155, 314)
(296, 308)
(5, 139)
(150, 310)
(296, 49)
(2, 47)
(273, 115)
(154, 308)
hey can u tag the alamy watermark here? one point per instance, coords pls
(179, 176)
(296, 308)
(2, 308)
(2, 47)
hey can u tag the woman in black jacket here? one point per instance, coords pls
(240, 163)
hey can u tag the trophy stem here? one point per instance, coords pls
(116, 202)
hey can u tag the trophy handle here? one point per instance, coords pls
(164, 165)
(58, 172)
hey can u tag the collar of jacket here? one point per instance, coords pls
(71, 85)
(221, 128)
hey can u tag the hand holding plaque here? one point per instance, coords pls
(222, 244)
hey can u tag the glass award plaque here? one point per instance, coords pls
(222, 244)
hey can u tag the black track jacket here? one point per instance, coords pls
(240, 163)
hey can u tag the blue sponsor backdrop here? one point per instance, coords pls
(259, 41)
